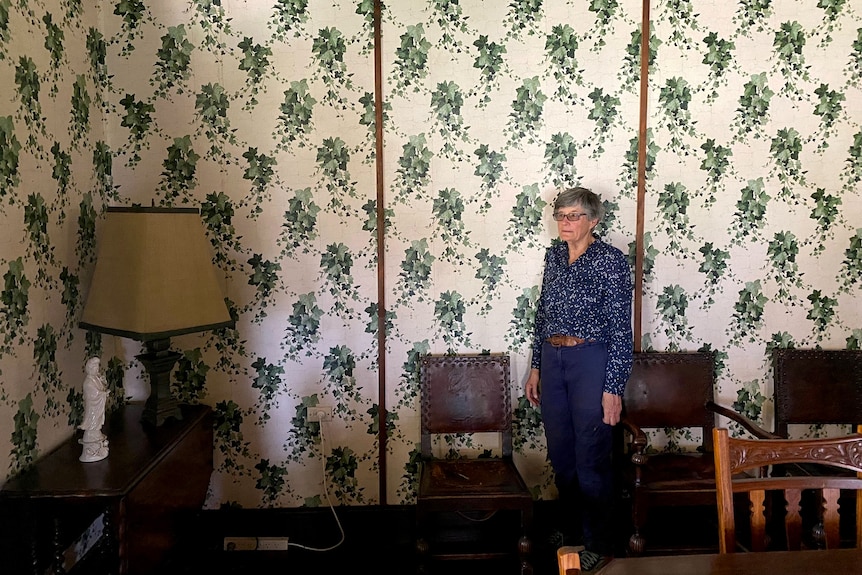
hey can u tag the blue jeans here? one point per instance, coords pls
(579, 442)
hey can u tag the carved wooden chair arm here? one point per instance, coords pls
(748, 424)
(638, 441)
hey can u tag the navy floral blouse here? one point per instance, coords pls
(591, 298)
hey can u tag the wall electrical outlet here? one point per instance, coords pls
(320, 413)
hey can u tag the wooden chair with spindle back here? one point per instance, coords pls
(734, 456)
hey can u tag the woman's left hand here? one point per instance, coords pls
(612, 406)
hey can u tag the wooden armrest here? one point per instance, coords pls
(749, 425)
(638, 442)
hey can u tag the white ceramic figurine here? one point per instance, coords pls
(95, 396)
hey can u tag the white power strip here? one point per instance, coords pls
(255, 543)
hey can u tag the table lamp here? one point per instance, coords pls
(154, 279)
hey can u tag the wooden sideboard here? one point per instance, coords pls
(153, 482)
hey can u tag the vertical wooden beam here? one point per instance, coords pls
(381, 252)
(642, 155)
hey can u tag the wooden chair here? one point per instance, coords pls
(734, 456)
(817, 386)
(569, 560)
(668, 390)
(469, 394)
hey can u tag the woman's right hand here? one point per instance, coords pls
(533, 387)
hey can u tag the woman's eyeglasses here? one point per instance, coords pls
(571, 216)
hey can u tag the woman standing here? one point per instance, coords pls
(582, 358)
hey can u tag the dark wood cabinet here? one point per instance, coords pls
(146, 492)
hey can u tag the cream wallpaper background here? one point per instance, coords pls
(261, 114)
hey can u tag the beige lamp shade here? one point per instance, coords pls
(154, 276)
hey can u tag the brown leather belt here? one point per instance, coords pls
(558, 340)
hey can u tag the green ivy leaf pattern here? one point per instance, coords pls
(523, 18)
(333, 158)
(261, 173)
(447, 210)
(752, 15)
(300, 224)
(750, 211)
(560, 155)
(61, 172)
(414, 167)
(79, 125)
(336, 265)
(179, 174)
(753, 111)
(605, 114)
(211, 105)
(139, 121)
(672, 305)
(215, 23)
(851, 268)
(48, 372)
(328, 51)
(520, 330)
(27, 87)
(303, 329)
(339, 366)
(449, 311)
(71, 299)
(826, 214)
(24, 436)
(525, 119)
(103, 168)
(54, 38)
(789, 41)
(714, 267)
(217, 213)
(491, 66)
(40, 248)
(173, 67)
(15, 299)
(228, 438)
(267, 380)
(271, 482)
(524, 229)
(490, 272)
(288, 16)
(341, 466)
(190, 377)
(133, 13)
(265, 279)
(411, 61)
(782, 253)
(821, 312)
(673, 203)
(255, 63)
(414, 279)
(719, 58)
(446, 103)
(785, 153)
(716, 164)
(448, 16)
(10, 149)
(4, 27)
(748, 314)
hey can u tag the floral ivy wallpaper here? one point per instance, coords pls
(261, 113)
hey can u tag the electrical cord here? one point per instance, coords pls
(331, 506)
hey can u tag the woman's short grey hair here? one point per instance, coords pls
(583, 198)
